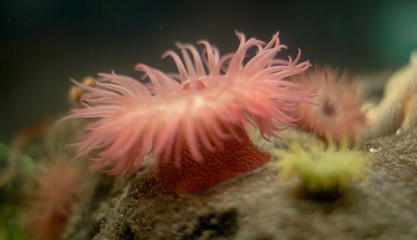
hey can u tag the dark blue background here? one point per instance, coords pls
(44, 43)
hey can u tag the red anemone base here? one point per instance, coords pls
(238, 156)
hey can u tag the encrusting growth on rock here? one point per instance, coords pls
(322, 167)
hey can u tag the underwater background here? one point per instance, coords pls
(45, 43)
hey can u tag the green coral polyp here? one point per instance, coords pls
(321, 167)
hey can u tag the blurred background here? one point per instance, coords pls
(44, 43)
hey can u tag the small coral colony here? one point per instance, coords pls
(192, 126)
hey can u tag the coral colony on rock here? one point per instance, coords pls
(192, 123)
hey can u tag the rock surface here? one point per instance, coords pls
(257, 206)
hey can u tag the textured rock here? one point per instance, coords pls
(257, 206)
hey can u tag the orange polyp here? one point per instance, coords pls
(238, 156)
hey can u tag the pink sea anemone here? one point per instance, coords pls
(336, 111)
(192, 122)
(53, 199)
